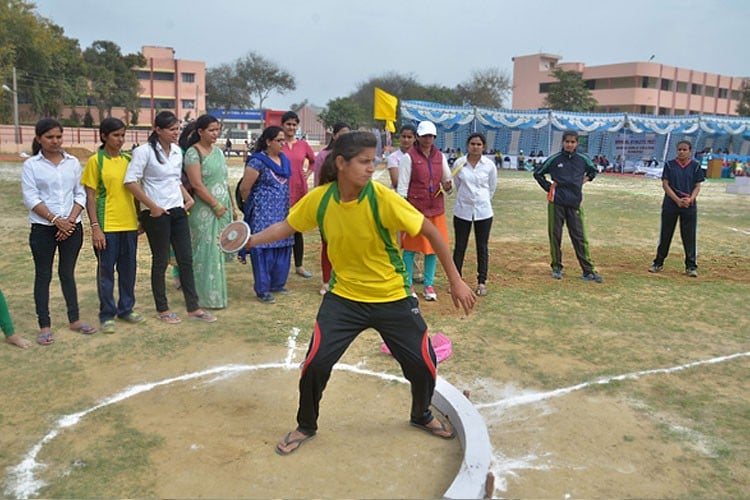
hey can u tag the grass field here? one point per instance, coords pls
(680, 433)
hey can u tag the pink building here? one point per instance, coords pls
(170, 84)
(637, 87)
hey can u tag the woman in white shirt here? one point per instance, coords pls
(154, 178)
(52, 191)
(475, 178)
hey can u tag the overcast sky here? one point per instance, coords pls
(330, 46)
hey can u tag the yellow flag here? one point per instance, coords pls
(385, 108)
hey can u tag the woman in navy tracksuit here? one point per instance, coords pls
(681, 180)
(568, 170)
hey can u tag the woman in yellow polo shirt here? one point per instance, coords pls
(113, 213)
(369, 288)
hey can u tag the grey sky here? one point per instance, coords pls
(331, 45)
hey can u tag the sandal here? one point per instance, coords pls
(301, 271)
(286, 442)
(481, 290)
(45, 339)
(204, 316)
(435, 431)
(85, 329)
(169, 318)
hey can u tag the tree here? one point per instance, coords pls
(487, 88)
(569, 93)
(49, 65)
(225, 90)
(113, 82)
(743, 107)
(405, 87)
(344, 109)
(262, 76)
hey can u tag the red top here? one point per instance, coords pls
(297, 153)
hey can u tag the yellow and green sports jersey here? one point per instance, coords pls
(115, 205)
(362, 239)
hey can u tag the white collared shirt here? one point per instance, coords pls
(57, 186)
(160, 181)
(475, 187)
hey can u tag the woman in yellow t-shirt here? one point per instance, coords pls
(369, 288)
(114, 225)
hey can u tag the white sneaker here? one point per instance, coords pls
(413, 293)
(429, 293)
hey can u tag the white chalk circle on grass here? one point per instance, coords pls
(22, 481)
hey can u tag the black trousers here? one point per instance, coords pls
(162, 232)
(339, 321)
(43, 246)
(461, 229)
(573, 218)
(688, 233)
(298, 249)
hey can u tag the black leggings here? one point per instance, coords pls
(162, 232)
(43, 246)
(298, 249)
(461, 229)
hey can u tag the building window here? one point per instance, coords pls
(145, 102)
(664, 111)
(648, 82)
(624, 82)
(590, 84)
(163, 76)
(710, 91)
(723, 93)
(667, 84)
(544, 88)
(188, 78)
(696, 89)
(682, 87)
(736, 95)
(143, 75)
(188, 104)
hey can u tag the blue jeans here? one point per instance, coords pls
(119, 254)
(43, 246)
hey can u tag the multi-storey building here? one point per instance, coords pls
(170, 84)
(636, 87)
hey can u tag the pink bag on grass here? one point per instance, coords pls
(441, 344)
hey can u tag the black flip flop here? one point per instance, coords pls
(288, 441)
(434, 431)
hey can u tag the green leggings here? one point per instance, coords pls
(5, 322)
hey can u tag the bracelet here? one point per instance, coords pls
(217, 207)
(54, 219)
(94, 224)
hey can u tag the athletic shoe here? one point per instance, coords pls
(429, 293)
(592, 276)
(557, 274)
(692, 273)
(413, 293)
(108, 326)
(655, 268)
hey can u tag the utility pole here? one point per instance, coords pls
(14, 91)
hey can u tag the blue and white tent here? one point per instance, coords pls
(629, 135)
